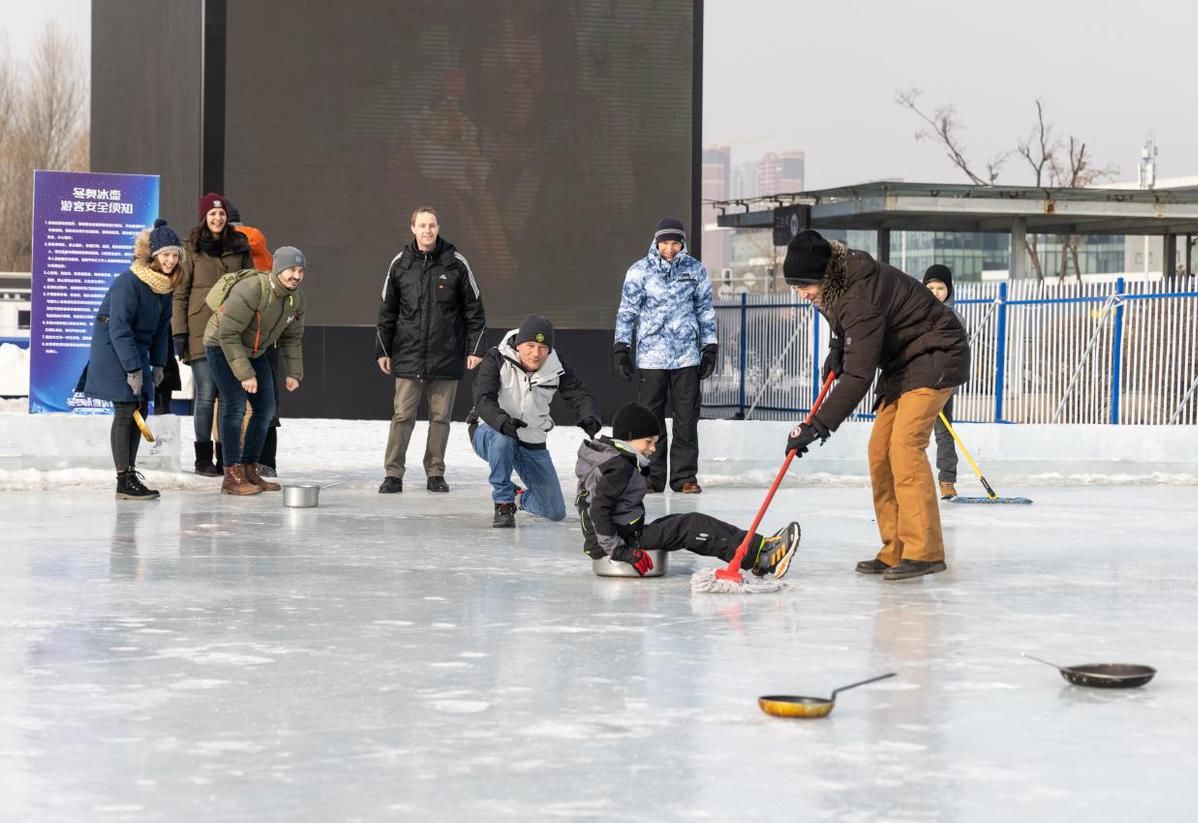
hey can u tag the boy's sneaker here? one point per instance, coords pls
(505, 516)
(775, 553)
(947, 490)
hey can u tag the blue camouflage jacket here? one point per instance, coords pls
(668, 304)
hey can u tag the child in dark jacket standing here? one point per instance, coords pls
(611, 492)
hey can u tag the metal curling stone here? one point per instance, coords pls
(605, 568)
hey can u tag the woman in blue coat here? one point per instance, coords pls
(130, 343)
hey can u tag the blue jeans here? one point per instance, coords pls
(205, 397)
(543, 491)
(232, 407)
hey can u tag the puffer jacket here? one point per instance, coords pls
(611, 495)
(431, 315)
(667, 303)
(198, 272)
(889, 322)
(247, 324)
(503, 390)
(131, 330)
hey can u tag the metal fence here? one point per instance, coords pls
(1120, 353)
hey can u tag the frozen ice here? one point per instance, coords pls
(395, 658)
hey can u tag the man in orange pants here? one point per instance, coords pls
(884, 320)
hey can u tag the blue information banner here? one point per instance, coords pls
(84, 225)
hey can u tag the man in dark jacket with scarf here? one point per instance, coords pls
(884, 320)
(430, 330)
(511, 421)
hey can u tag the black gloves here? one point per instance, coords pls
(180, 345)
(510, 426)
(159, 375)
(711, 353)
(621, 358)
(834, 362)
(134, 379)
(590, 425)
(803, 435)
(639, 559)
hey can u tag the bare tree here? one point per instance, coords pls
(45, 128)
(1044, 152)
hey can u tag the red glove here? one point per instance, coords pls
(637, 558)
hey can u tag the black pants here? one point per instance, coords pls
(125, 435)
(946, 449)
(699, 533)
(681, 387)
(270, 448)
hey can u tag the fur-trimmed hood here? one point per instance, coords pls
(836, 277)
(160, 283)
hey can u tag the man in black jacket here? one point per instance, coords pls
(510, 421)
(430, 329)
(884, 320)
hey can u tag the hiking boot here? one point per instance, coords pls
(505, 516)
(391, 485)
(913, 568)
(947, 490)
(874, 566)
(253, 475)
(204, 460)
(775, 552)
(653, 488)
(235, 482)
(437, 484)
(130, 487)
(691, 487)
(267, 471)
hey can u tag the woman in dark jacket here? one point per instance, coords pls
(213, 249)
(884, 321)
(130, 346)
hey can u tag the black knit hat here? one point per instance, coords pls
(942, 273)
(669, 228)
(164, 238)
(634, 421)
(807, 258)
(231, 212)
(535, 329)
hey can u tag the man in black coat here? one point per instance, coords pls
(430, 330)
(883, 320)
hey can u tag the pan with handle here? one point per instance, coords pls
(790, 705)
(1102, 675)
(305, 495)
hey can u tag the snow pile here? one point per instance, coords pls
(14, 370)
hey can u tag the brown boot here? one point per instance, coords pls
(250, 470)
(235, 482)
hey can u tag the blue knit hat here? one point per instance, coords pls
(164, 238)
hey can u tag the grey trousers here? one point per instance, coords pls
(946, 449)
(407, 400)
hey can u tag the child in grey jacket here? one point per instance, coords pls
(611, 507)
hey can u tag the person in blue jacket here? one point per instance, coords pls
(666, 301)
(130, 344)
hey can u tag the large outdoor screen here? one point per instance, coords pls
(550, 135)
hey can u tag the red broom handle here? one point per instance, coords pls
(732, 572)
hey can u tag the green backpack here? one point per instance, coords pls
(219, 292)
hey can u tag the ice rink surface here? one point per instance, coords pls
(395, 658)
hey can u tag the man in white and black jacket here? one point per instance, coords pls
(510, 421)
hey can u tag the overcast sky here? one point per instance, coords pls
(821, 77)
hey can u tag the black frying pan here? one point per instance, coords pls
(1103, 675)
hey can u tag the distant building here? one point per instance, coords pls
(717, 173)
(744, 180)
(781, 173)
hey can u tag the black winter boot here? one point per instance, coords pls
(220, 460)
(130, 487)
(505, 516)
(204, 460)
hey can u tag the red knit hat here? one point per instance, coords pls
(211, 201)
